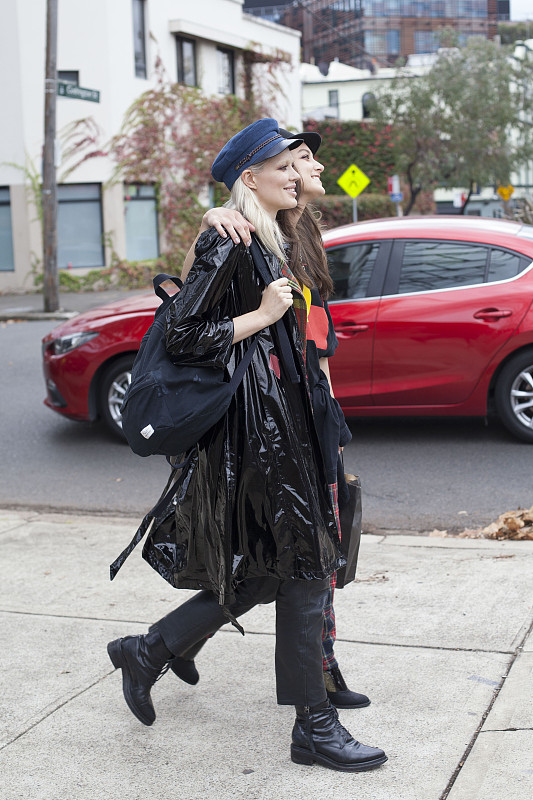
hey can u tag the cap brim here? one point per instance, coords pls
(312, 139)
(278, 147)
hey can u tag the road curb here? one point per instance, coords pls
(13, 316)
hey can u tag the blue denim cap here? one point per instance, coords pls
(257, 142)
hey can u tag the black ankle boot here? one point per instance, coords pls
(142, 660)
(318, 737)
(338, 692)
(185, 669)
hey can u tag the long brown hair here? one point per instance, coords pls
(307, 260)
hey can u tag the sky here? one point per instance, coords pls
(521, 9)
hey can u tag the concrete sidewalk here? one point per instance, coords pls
(436, 631)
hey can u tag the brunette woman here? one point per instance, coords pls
(254, 521)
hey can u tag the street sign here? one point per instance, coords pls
(393, 185)
(505, 192)
(77, 92)
(353, 181)
(396, 197)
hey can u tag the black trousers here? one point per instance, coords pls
(299, 621)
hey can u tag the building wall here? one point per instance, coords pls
(351, 84)
(363, 32)
(97, 41)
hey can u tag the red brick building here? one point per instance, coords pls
(362, 32)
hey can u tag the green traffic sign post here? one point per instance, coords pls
(77, 92)
(353, 181)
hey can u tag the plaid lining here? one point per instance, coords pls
(328, 631)
(299, 303)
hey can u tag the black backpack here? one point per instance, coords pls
(167, 408)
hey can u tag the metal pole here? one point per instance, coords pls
(354, 208)
(49, 196)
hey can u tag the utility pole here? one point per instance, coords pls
(49, 195)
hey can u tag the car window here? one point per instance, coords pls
(433, 265)
(351, 268)
(503, 265)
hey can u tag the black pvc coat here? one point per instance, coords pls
(255, 501)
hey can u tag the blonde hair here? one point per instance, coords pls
(243, 199)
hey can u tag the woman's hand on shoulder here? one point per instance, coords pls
(228, 221)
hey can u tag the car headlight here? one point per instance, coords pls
(66, 343)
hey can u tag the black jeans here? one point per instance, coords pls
(299, 621)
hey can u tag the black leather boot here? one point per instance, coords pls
(185, 669)
(318, 737)
(142, 659)
(338, 692)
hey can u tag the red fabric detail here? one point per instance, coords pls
(274, 365)
(318, 326)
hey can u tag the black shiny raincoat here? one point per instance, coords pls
(255, 501)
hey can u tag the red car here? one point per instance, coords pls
(434, 316)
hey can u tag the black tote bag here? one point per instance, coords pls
(350, 512)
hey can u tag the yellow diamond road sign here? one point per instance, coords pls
(353, 181)
(505, 192)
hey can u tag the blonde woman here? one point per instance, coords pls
(254, 522)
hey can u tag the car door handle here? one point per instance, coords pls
(345, 330)
(492, 313)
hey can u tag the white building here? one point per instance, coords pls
(110, 46)
(345, 92)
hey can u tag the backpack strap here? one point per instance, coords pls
(161, 278)
(162, 504)
(284, 342)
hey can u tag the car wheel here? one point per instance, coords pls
(113, 384)
(514, 395)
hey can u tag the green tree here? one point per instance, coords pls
(511, 32)
(366, 144)
(465, 122)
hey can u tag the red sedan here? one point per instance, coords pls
(434, 316)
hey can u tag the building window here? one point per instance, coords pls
(369, 103)
(226, 71)
(69, 76)
(393, 42)
(79, 225)
(7, 261)
(426, 42)
(333, 99)
(142, 239)
(139, 38)
(186, 61)
(382, 43)
(503, 10)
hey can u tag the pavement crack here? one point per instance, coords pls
(406, 645)
(504, 730)
(489, 708)
(44, 716)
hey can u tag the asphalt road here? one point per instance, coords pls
(417, 474)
